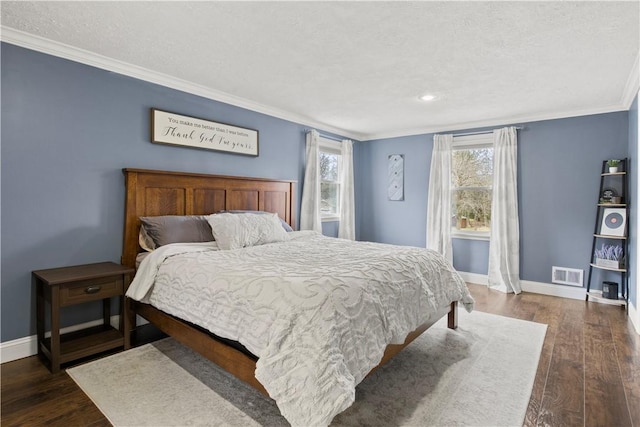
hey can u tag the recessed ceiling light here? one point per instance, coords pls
(427, 97)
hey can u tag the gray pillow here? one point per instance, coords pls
(177, 229)
(286, 226)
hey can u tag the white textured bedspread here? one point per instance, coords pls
(317, 311)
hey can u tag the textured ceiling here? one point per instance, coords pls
(359, 67)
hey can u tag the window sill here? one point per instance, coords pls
(330, 219)
(471, 236)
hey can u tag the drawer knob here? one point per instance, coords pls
(92, 290)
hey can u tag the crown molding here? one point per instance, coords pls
(61, 50)
(505, 121)
(633, 84)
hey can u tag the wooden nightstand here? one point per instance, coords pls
(68, 286)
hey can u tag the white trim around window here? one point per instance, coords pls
(478, 235)
(483, 140)
(327, 145)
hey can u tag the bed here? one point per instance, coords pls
(156, 193)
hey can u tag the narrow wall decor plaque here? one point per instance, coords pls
(396, 177)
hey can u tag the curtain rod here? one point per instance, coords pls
(481, 132)
(333, 138)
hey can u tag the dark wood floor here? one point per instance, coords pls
(589, 371)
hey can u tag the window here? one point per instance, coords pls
(330, 166)
(471, 181)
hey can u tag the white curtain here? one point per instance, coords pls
(310, 206)
(439, 202)
(504, 248)
(347, 227)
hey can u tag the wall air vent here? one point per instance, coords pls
(567, 276)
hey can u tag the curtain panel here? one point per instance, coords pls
(310, 204)
(347, 227)
(439, 200)
(504, 246)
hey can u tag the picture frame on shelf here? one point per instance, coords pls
(607, 195)
(614, 221)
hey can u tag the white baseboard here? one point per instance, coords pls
(479, 279)
(28, 346)
(561, 291)
(634, 315)
(17, 349)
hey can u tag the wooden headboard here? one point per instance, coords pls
(153, 193)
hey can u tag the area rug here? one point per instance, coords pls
(478, 375)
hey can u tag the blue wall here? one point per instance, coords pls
(633, 190)
(67, 131)
(559, 165)
(381, 220)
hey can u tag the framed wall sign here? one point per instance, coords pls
(614, 222)
(175, 129)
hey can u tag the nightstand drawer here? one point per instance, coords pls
(90, 290)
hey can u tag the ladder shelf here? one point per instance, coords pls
(610, 236)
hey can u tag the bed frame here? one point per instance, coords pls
(151, 193)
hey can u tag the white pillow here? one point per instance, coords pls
(235, 231)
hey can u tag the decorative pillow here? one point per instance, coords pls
(163, 230)
(235, 231)
(145, 241)
(284, 224)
